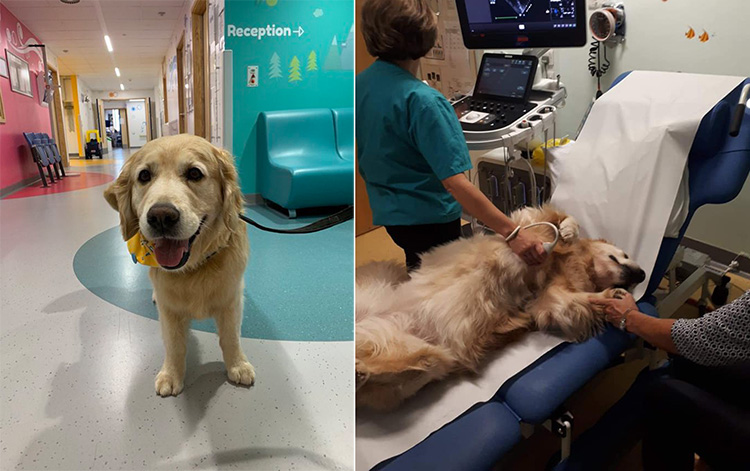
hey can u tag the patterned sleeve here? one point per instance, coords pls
(718, 338)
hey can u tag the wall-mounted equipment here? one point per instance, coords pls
(607, 28)
(608, 23)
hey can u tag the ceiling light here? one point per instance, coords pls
(109, 43)
(117, 71)
(138, 99)
(70, 2)
(122, 87)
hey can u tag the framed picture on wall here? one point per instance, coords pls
(2, 109)
(20, 77)
(3, 68)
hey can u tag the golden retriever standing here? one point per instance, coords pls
(470, 296)
(183, 195)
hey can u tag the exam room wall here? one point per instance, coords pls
(656, 41)
(22, 113)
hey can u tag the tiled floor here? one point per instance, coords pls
(77, 370)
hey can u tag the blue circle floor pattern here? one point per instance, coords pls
(297, 287)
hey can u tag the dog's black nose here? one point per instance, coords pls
(162, 217)
(639, 275)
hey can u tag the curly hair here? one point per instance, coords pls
(398, 29)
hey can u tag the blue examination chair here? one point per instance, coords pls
(718, 167)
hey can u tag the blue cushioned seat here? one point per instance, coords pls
(475, 441)
(344, 122)
(41, 156)
(543, 386)
(299, 165)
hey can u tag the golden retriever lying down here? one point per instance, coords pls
(183, 195)
(473, 295)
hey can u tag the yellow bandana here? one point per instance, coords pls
(142, 251)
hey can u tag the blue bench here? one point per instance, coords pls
(305, 158)
(45, 154)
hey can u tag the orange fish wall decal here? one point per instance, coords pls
(702, 38)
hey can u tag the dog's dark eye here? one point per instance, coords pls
(626, 256)
(144, 176)
(194, 174)
(612, 257)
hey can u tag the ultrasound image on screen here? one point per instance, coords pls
(520, 15)
(504, 77)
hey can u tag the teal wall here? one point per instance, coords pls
(325, 80)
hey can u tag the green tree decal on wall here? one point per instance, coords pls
(312, 61)
(294, 70)
(275, 67)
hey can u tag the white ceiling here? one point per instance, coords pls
(140, 37)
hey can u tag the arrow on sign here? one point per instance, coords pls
(299, 31)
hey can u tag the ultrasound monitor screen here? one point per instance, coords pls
(522, 23)
(505, 77)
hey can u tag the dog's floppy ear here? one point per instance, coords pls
(230, 189)
(118, 196)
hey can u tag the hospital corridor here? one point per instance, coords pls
(374, 235)
(81, 340)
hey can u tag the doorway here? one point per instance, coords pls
(128, 121)
(199, 72)
(115, 122)
(181, 82)
(58, 123)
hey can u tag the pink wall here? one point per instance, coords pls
(22, 113)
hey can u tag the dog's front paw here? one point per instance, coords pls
(569, 230)
(168, 384)
(241, 372)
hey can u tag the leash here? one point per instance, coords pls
(319, 225)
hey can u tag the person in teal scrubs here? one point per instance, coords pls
(411, 151)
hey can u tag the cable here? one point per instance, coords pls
(532, 180)
(597, 69)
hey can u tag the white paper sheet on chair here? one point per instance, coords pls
(621, 177)
(383, 435)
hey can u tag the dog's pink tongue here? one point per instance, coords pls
(169, 252)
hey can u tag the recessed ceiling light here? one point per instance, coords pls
(109, 43)
(65, 50)
(117, 71)
(70, 2)
(122, 87)
(162, 13)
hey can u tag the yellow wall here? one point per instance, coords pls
(77, 112)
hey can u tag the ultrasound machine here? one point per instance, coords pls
(513, 108)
